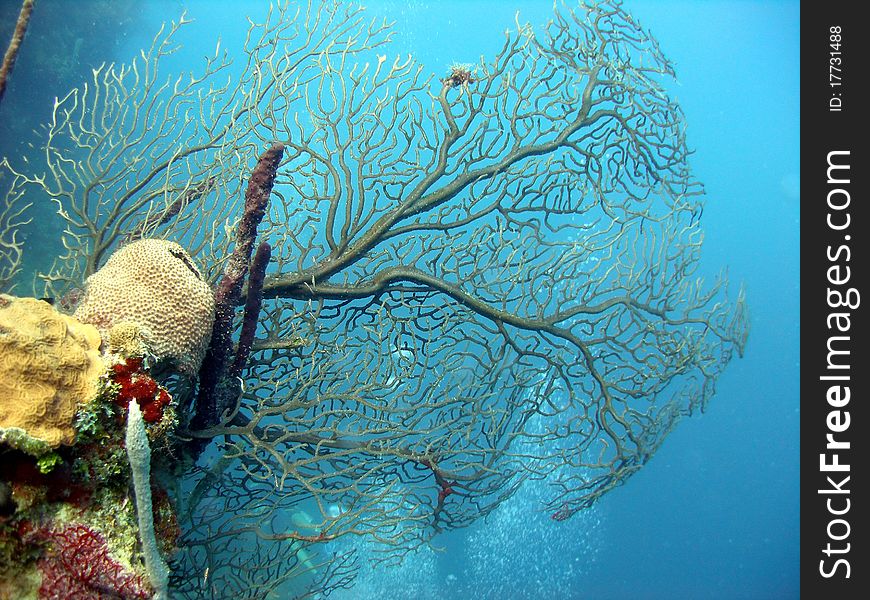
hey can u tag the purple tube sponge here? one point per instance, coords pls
(218, 387)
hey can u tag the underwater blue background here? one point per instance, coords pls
(715, 513)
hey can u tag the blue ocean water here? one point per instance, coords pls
(715, 513)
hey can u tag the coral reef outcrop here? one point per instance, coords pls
(153, 284)
(67, 526)
(50, 364)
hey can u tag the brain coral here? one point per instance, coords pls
(49, 364)
(155, 285)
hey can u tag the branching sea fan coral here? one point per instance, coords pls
(473, 283)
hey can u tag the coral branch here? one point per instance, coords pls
(445, 489)
(217, 387)
(156, 220)
(14, 44)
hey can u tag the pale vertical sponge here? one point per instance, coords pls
(139, 454)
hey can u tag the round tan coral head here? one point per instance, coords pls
(155, 285)
(49, 364)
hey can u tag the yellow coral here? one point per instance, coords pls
(155, 285)
(49, 364)
(129, 339)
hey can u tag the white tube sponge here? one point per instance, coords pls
(139, 455)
